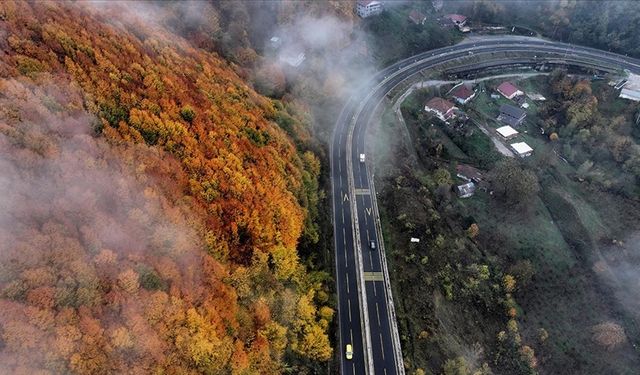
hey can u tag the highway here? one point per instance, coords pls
(365, 305)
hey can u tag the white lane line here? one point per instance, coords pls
(343, 215)
(371, 261)
(351, 335)
(349, 304)
(354, 369)
(348, 293)
(344, 242)
(375, 289)
(381, 347)
(378, 314)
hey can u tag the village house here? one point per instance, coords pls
(466, 190)
(507, 132)
(442, 108)
(512, 116)
(462, 94)
(631, 89)
(521, 149)
(457, 19)
(509, 90)
(367, 8)
(417, 17)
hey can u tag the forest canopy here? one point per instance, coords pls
(151, 208)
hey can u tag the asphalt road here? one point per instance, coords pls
(365, 309)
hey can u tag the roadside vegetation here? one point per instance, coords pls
(526, 275)
(606, 25)
(392, 36)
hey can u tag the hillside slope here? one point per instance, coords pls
(151, 207)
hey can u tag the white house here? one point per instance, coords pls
(442, 108)
(521, 149)
(509, 90)
(462, 93)
(366, 8)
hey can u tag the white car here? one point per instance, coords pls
(361, 158)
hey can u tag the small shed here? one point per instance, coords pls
(466, 190)
(522, 149)
(507, 132)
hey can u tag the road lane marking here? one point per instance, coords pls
(342, 215)
(368, 209)
(374, 290)
(363, 191)
(348, 291)
(381, 346)
(349, 304)
(346, 198)
(378, 314)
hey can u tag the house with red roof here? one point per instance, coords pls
(457, 19)
(417, 17)
(509, 90)
(462, 94)
(443, 109)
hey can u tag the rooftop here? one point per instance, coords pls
(456, 17)
(416, 17)
(521, 148)
(462, 92)
(466, 190)
(367, 2)
(508, 88)
(469, 172)
(439, 104)
(512, 111)
(507, 131)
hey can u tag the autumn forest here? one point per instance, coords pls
(152, 210)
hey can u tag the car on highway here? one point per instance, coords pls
(361, 158)
(372, 245)
(349, 352)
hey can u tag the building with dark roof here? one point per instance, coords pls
(512, 116)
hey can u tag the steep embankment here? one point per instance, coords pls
(150, 208)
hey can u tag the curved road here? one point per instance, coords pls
(365, 305)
